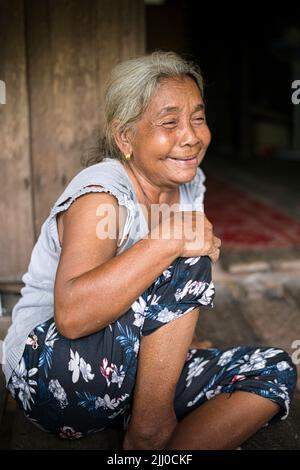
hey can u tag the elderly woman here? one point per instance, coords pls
(101, 337)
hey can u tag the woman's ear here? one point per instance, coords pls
(122, 138)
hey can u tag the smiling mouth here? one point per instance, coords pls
(183, 159)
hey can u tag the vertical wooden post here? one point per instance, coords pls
(54, 59)
(16, 214)
(72, 46)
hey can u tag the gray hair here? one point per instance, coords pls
(129, 90)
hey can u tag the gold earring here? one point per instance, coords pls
(128, 156)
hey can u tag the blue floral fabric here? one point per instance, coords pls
(74, 387)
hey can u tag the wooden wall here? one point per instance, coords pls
(55, 56)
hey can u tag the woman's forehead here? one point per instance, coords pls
(173, 94)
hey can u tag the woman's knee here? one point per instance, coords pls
(196, 267)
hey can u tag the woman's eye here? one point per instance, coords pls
(169, 123)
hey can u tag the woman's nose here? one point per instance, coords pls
(189, 136)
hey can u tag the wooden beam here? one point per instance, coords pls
(16, 220)
(72, 46)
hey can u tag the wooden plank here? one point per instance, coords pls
(72, 46)
(16, 235)
(120, 34)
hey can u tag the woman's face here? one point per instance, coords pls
(172, 136)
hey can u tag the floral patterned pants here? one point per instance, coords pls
(75, 387)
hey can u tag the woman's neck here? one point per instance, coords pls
(149, 193)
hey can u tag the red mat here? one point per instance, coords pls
(241, 221)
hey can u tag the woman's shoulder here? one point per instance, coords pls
(108, 171)
(105, 176)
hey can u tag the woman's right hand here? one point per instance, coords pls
(194, 234)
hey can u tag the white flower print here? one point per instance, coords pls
(78, 365)
(191, 287)
(11, 389)
(256, 361)
(208, 296)
(25, 394)
(167, 273)
(122, 397)
(51, 335)
(192, 261)
(195, 369)
(139, 307)
(21, 381)
(284, 390)
(86, 370)
(226, 357)
(58, 392)
(74, 366)
(283, 365)
(154, 300)
(284, 394)
(212, 393)
(166, 315)
(109, 404)
(118, 376)
(106, 402)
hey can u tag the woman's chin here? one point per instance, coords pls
(182, 171)
(185, 176)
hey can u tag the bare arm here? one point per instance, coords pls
(93, 287)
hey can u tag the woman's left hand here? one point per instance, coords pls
(212, 244)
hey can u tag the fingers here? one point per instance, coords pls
(217, 242)
(214, 253)
(210, 244)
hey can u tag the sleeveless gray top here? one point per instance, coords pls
(36, 304)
